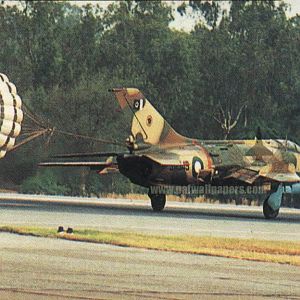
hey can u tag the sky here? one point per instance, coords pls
(183, 23)
(187, 24)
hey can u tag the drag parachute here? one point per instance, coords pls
(12, 112)
(11, 115)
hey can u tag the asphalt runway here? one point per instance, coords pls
(126, 215)
(38, 268)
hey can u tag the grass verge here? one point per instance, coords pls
(247, 249)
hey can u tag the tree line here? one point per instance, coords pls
(238, 69)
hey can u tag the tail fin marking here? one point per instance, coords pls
(146, 121)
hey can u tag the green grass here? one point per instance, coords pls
(247, 249)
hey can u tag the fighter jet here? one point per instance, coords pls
(158, 156)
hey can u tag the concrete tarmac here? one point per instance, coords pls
(198, 219)
(38, 268)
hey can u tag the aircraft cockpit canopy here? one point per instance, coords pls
(292, 146)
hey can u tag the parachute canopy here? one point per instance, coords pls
(11, 115)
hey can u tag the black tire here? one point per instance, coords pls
(268, 211)
(158, 202)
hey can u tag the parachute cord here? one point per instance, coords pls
(33, 117)
(49, 137)
(89, 138)
(24, 134)
(26, 131)
(28, 139)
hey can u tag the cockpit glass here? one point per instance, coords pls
(292, 146)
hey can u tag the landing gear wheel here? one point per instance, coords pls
(158, 202)
(269, 212)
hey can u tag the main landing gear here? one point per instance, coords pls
(158, 201)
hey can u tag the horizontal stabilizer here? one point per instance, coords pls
(94, 165)
(87, 154)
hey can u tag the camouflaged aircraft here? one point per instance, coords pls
(159, 156)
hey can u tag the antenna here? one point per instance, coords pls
(258, 133)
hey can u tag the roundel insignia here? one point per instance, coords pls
(197, 166)
(139, 104)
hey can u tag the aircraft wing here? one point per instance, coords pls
(283, 177)
(281, 172)
(243, 174)
(249, 176)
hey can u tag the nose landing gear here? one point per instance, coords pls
(268, 211)
(273, 202)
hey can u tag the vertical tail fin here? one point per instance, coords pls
(147, 123)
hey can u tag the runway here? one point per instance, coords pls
(128, 215)
(39, 268)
